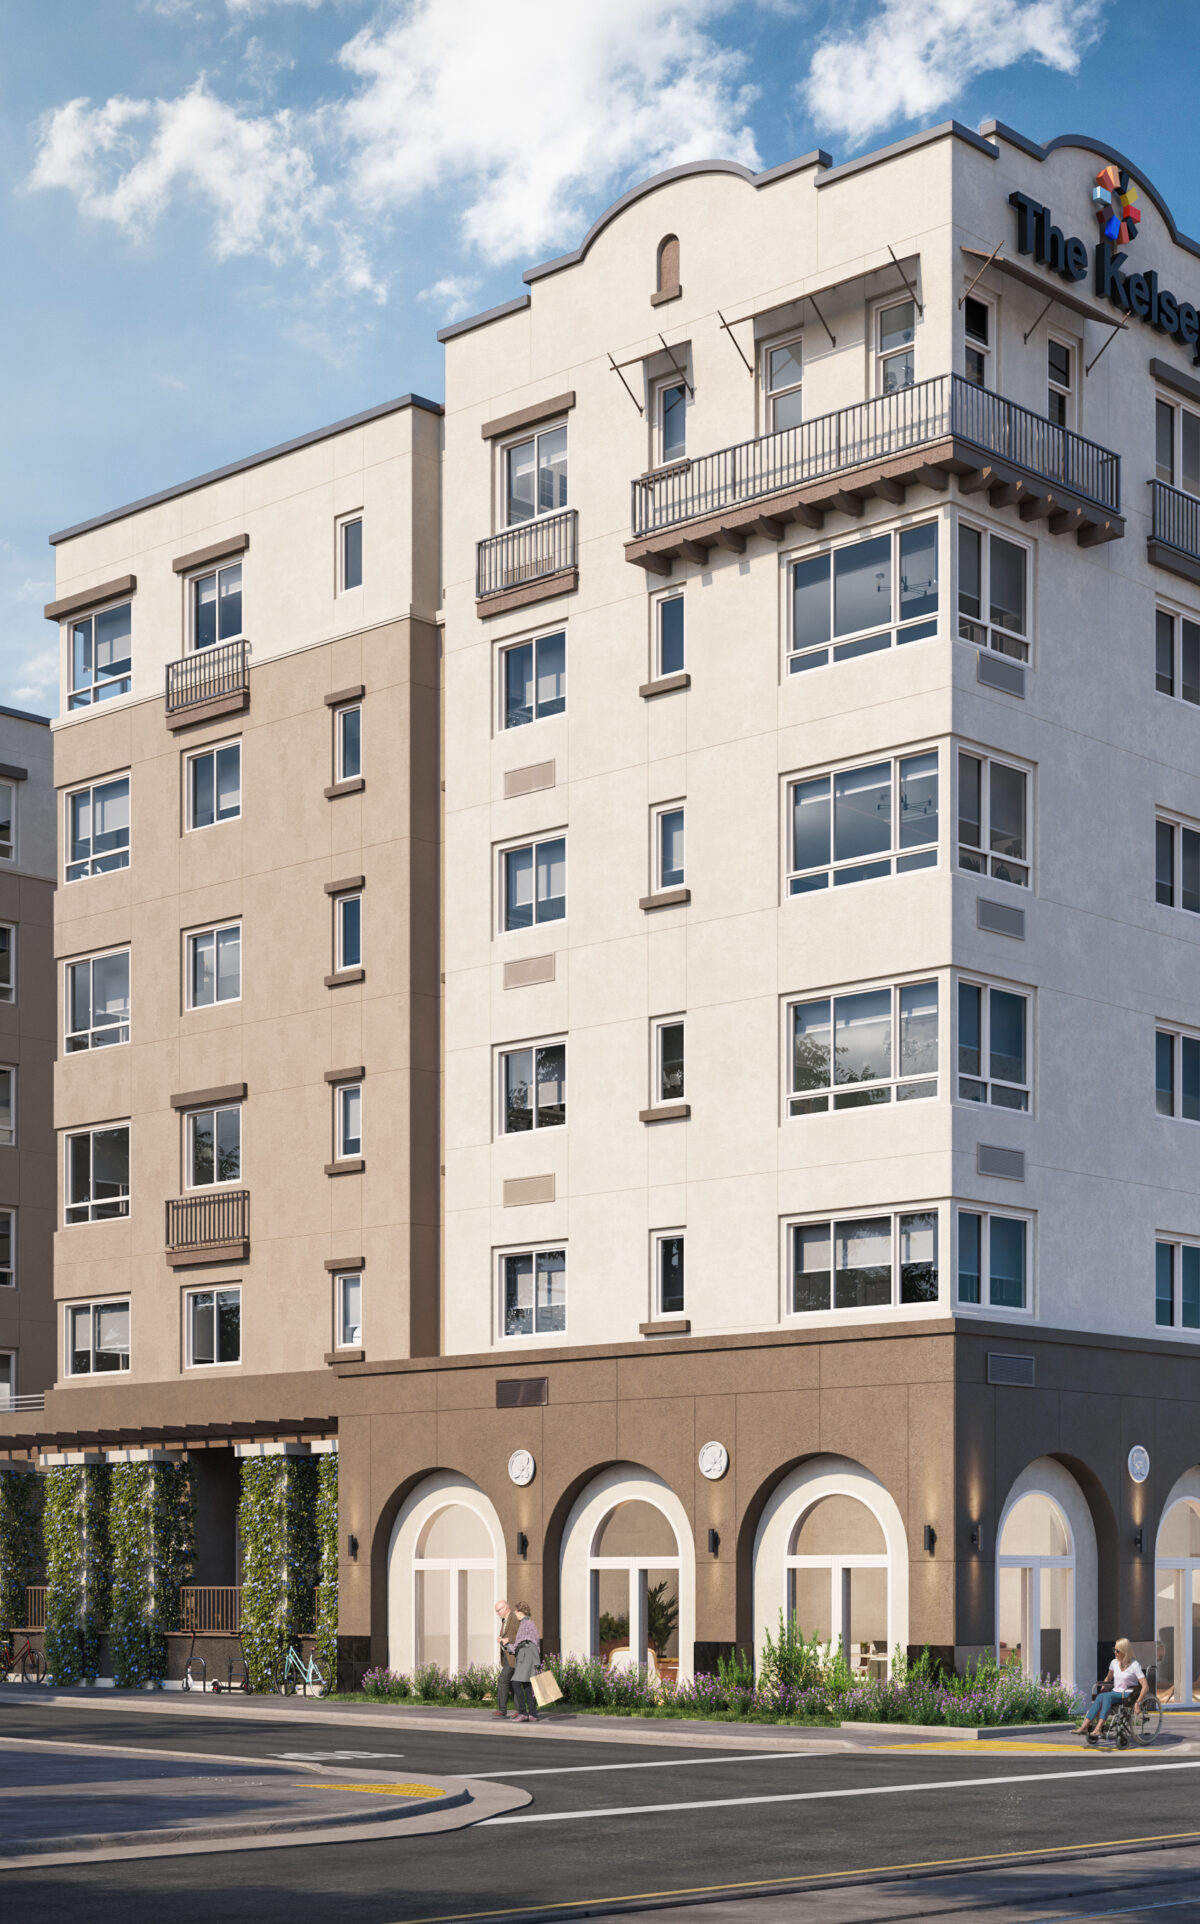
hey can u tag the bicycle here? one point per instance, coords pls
(296, 1672)
(32, 1663)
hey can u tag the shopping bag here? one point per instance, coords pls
(545, 1688)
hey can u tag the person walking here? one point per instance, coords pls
(527, 1650)
(509, 1626)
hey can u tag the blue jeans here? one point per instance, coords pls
(1103, 1706)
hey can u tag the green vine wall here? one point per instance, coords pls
(78, 1568)
(152, 1531)
(277, 1524)
(327, 1588)
(20, 1542)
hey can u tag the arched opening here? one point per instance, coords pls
(667, 277)
(628, 1574)
(1177, 1597)
(446, 1569)
(1035, 1588)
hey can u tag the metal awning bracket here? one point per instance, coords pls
(993, 256)
(904, 277)
(824, 323)
(675, 364)
(1041, 317)
(1123, 323)
(624, 383)
(749, 365)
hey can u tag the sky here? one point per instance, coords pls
(224, 222)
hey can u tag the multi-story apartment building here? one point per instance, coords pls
(27, 1353)
(820, 604)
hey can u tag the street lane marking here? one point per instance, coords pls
(662, 1763)
(1057, 1750)
(823, 1796)
(627, 1898)
(338, 1756)
(1134, 1910)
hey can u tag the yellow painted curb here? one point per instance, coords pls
(388, 1790)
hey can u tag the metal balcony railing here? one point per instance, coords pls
(216, 1216)
(35, 1400)
(210, 1609)
(35, 1607)
(529, 552)
(893, 424)
(207, 675)
(1175, 518)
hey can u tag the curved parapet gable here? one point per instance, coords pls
(996, 129)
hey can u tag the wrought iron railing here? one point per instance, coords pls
(211, 1609)
(35, 1607)
(892, 424)
(1175, 518)
(207, 675)
(217, 1216)
(529, 552)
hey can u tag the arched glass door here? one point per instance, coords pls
(454, 1590)
(837, 1580)
(1035, 1581)
(634, 1576)
(1177, 1604)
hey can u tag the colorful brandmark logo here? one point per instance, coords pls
(1115, 199)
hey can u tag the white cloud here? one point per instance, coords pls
(531, 109)
(239, 9)
(32, 590)
(451, 296)
(915, 56)
(40, 682)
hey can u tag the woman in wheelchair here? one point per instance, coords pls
(1125, 1673)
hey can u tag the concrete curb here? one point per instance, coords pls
(963, 1733)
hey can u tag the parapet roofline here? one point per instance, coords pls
(996, 130)
(248, 461)
(22, 714)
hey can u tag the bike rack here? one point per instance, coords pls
(187, 1673)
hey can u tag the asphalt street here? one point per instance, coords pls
(638, 1825)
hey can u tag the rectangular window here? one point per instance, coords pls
(863, 823)
(535, 883)
(8, 820)
(977, 321)
(993, 836)
(348, 932)
(852, 1051)
(8, 962)
(215, 786)
(97, 1338)
(993, 592)
(1177, 446)
(535, 476)
(784, 379)
(97, 1174)
(217, 606)
(214, 966)
(1177, 1285)
(101, 656)
(993, 1026)
(8, 1107)
(534, 679)
(98, 829)
(1177, 1075)
(533, 1292)
(668, 1273)
(347, 729)
(533, 1088)
(8, 1248)
(992, 1259)
(214, 1327)
(668, 1081)
(1177, 866)
(896, 326)
(864, 596)
(1177, 656)
(213, 1151)
(350, 546)
(348, 1311)
(1164, 442)
(669, 654)
(671, 400)
(668, 847)
(348, 1103)
(869, 1262)
(8, 1378)
(97, 1001)
(1058, 383)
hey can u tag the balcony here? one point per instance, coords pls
(917, 436)
(213, 681)
(209, 1227)
(35, 1400)
(211, 1610)
(1174, 531)
(527, 563)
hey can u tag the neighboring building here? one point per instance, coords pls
(27, 1356)
(821, 912)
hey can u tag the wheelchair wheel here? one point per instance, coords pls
(1147, 1720)
(33, 1668)
(1122, 1739)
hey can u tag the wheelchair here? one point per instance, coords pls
(1130, 1722)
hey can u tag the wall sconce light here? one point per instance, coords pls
(352, 1547)
(522, 1544)
(977, 1536)
(930, 1538)
(714, 1543)
(1138, 1541)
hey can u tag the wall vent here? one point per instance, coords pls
(1016, 1371)
(993, 1161)
(999, 919)
(522, 1392)
(996, 671)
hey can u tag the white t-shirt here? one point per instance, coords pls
(1124, 1680)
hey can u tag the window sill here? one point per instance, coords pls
(665, 899)
(353, 786)
(666, 1112)
(343, 977)
(348, 1166)
(669, 1326)
(664, 685)
(666, 294)
(346, 1356)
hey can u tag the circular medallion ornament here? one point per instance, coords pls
(714, 1461)
(521, 1467)
(1139, 1463)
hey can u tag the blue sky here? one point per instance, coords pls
(226, 221)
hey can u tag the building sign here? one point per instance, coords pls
(1115, 199)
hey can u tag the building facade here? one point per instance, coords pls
(817, 628)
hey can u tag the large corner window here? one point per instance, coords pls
(864, 596)
(217, 606)
(854, 1051)
(97, 1338)
(98, 829)
(97, 1174)
(535, 475)
(860, 824)
(993, 592)
(865, 1262)
(101, 655)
